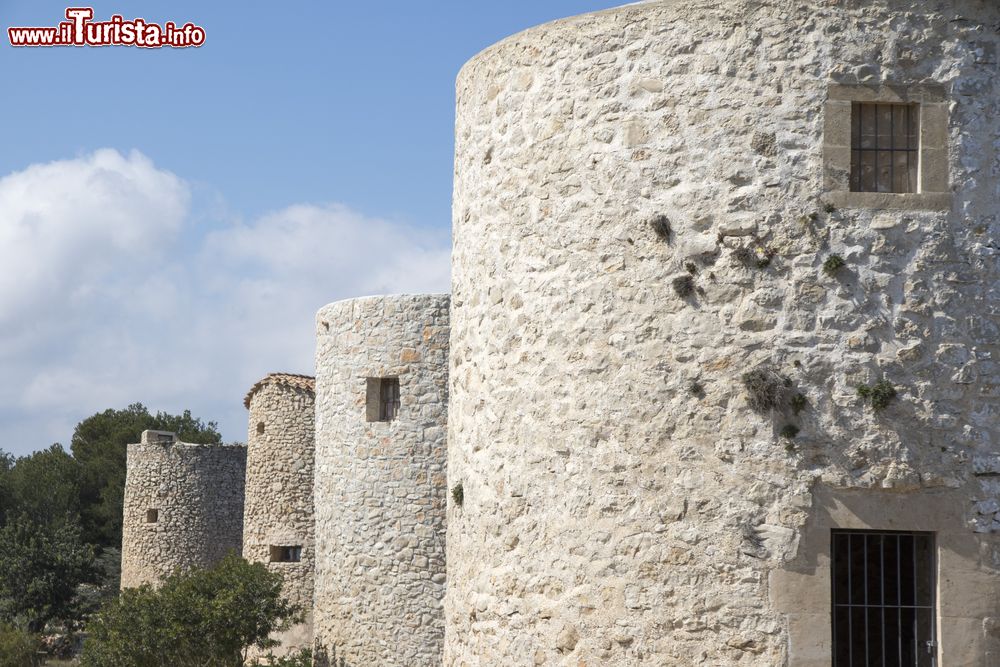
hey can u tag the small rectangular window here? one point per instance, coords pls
(885, 147)
(382, 400)
(883, 598)
(281, 554)
(152, 516)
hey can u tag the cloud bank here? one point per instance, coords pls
(111, 294)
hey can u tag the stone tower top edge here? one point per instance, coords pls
(305, 383)
(169, 439)
(540, 27)
(403, 296)
(337, 307)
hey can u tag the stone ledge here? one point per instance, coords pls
(920, 201)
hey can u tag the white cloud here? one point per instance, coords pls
(105, 300)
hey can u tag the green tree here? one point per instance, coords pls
(45, 486)
(204, 618)
(41, 566)
(99, 445)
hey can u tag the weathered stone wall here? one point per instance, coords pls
(279, 488)
(197, 492)
(380, 486)
(622, 503)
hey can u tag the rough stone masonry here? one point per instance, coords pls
(644, 202)
(380, 489)
(278, 518)
(183, 506)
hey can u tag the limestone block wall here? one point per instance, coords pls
(183, 506)
(279, 488)
(622, 503)
(380, 485)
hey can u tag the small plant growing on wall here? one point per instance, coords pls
(696, 389)
(789, 431)
(661, 225)
(458, 494)
(880, 394)
(798, 403)
(684, 286)
(766, 389)
(833, 264)
(753, 256)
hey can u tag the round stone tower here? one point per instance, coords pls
(183, 506)
(381, 418)
(724, 331)
(278, 522)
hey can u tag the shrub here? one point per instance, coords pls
(880, 395)
(684, 286)
(17, 647)
(798, 403)
(833, 264)
(204, 617)
(303, 658)
(458, 494)
(766, 389)
(691, 268)
(661, 225)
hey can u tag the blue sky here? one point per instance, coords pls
(170, 220)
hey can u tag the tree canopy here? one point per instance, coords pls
(99, 445)
(41, 566)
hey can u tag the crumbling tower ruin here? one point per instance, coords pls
(278, 525)
(725, 337)
(381, 416)
(183, 506)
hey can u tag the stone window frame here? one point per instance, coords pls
(933, 191)
(967, 616)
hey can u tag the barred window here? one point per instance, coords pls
(883, 598)
(884, 147)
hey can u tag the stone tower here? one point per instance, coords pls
(183, 506)
(724, 332)
(278, 525)
(381, 416)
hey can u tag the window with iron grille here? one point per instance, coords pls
(282, 554)
(382, 400)
(885, 147)
(883, 599)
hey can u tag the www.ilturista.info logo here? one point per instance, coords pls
(80, 30)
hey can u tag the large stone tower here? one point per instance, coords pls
(381, 416)
(278, 525)
(724, 338)
(183, 506)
